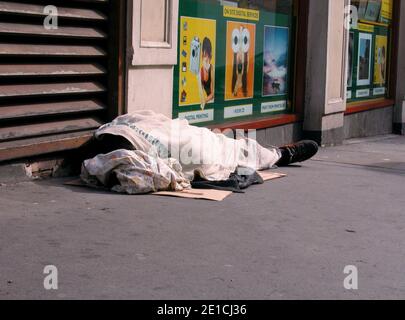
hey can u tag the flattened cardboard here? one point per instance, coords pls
(271, 175)
(216, 195)
(203, 194)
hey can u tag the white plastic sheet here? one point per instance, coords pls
(134, 172)
(213, 156)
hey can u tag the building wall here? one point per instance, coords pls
(325, 120)
(325, 101)
(151, 55)
(370, 123)
(399, 111)
(281, 135)
(148, 89)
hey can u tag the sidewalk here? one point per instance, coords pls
(288, 239)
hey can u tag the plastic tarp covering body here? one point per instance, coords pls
(213, 156)
(134, 172)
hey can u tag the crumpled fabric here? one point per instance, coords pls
(134, 172)
(200, 151)
(236, 182)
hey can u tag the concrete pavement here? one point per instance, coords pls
(287, 239)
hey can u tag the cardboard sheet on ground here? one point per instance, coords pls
(216, 195)
(271, 175)
(202, 194)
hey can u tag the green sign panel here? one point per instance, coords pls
(368, 63)
(234, 64)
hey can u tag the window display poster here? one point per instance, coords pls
(386, 11)
(240, 60)
(219, 73)
(370, 63)
(380, 61)
(350, 61)
(362, 8)
(197, 61)
(373, 10)
(275, 61)
(364, 59)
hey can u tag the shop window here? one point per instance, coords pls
(370, 51)
(236, 60)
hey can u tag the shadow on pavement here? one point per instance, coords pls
(395, 168)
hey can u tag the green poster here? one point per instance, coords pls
(234, 64)
(368, 63)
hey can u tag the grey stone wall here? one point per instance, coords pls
(369, 123)
(279, 136)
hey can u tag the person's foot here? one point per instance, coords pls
(297, 152)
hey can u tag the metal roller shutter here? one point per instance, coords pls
(55, 85)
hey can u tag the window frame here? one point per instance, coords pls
(389, 100)
(298, 74)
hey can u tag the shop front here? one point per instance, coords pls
(236, 64)
(239, 63)
(236, 61)
(280, 67)
(372, 68)
(327, 70)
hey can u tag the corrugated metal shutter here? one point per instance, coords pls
(53, 83)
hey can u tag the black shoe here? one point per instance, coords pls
(298, 152)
